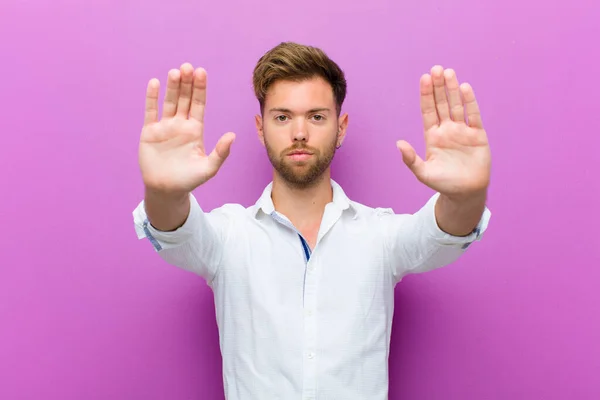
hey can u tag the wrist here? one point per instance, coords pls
(171, 197)
(459, 215)
(465, 198)
(166, 211)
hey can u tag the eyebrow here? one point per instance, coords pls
(287, 110)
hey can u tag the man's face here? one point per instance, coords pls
(300, 129)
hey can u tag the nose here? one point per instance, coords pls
(300, 137)
(300, 133)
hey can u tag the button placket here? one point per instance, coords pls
(310, 328)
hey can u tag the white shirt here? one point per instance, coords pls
(296, 324)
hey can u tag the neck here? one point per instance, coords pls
(302, 205)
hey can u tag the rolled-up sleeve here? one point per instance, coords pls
(196, 246)
(416, 244)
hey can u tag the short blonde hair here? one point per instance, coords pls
(290, 61)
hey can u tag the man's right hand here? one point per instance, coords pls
(172, 156)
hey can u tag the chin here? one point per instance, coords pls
(301, 180)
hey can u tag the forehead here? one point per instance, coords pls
(308, 93)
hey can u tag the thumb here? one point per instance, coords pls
(411, 158)
(221, 150)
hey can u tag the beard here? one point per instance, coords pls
(305, 173)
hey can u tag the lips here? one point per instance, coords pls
(299, 155)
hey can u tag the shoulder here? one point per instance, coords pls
(235, 213)
(233, 210)
(369, 212)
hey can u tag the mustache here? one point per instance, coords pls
(299, 146)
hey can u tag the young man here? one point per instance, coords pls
(304, 279)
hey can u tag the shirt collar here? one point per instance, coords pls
(265, 202)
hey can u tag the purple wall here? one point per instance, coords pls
(89, 312)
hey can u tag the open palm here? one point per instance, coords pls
(457, 160)
(172, 155)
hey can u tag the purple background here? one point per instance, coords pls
(89, 312)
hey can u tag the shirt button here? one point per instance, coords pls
(309, 313)
(311, 355)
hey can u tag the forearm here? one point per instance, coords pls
(166, 212)
(459, 216)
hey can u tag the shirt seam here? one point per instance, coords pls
(219, 265)
(388, 258)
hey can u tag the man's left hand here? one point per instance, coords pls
(457, 159)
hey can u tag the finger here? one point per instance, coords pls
(199, 95)
(185, 90)
(439, 92)
(457, 111)
(411, 158)
(151, 111)
(428, 111)
(471, 106)
(221, 150)
(172, 94)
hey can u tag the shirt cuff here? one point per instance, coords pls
(164, 240)
(445, 238)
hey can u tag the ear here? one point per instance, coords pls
(259, 128)
(342, 127)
